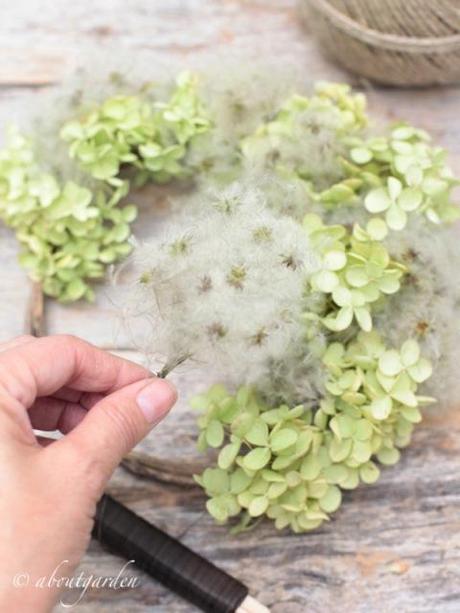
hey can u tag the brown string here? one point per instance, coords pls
(398, 42)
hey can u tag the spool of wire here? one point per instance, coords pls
(170, 562)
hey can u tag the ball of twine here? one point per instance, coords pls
(395, 42)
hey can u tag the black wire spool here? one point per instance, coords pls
(165, 559)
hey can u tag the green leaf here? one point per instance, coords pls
(317, 488)
(364, 319)
(215, 433)
(362, 451)
(342, 426)
(433, 186)
(129, 213)
(377, 229)
(335, 473)
(227, 455)
(334, 260)
(242, 423)
(272, 476)
(377, 200)
(395, 217)
(421, 371)
(276, 489)
(310, 468)
(325, 281)
(352, 481)
(341, 321)
(217, 509)
(369, 472)
(331, 500)
(282, 439)
(259, 486)
(381, 408)
(394, 187)
(258, 506)
(293, 478)
(258, 433)
(363, 430)
(257, 458)
(405, 397)
(412, 414)
(410, 199)
(403, 132)
(361, 155)
(410, 353)
(356, 276)
(303, 442)
(239, 481)
(271, 417)
(282, 462)
(342, 296)
(387, 383)
(390, 363)
(245, 498)
(388, 456)
(215, 480)
(339, 450)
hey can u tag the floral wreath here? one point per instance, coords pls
(327, 233)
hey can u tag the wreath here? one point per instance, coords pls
(309, 267)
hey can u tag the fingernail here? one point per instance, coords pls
(155, 399)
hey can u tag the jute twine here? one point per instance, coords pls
(396, 42)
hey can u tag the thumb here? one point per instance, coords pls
(115, 424)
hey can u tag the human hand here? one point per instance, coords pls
(48, 492)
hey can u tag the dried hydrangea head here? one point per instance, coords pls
(152, 137)
(67, 232)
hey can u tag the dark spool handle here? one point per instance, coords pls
(168, 561)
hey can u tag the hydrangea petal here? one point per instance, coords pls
(335, 260)
(377, 200)
(377, 229)
(394, 188)
(410, 352)
(390, 363)
(410, 199)
(381, 408)
(396, 218)
(361, 155)
(421, 371)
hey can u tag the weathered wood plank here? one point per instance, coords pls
(394, 545)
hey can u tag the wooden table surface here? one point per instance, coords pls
(394, 546)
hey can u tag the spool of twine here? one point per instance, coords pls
(395, 42)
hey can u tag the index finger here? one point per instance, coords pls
(49, 363)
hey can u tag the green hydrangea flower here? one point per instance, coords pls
(290, 464)
(67, 233)
(406, 175)
(130, 130)
(356, 272)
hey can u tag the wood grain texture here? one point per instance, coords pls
(394, 545)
